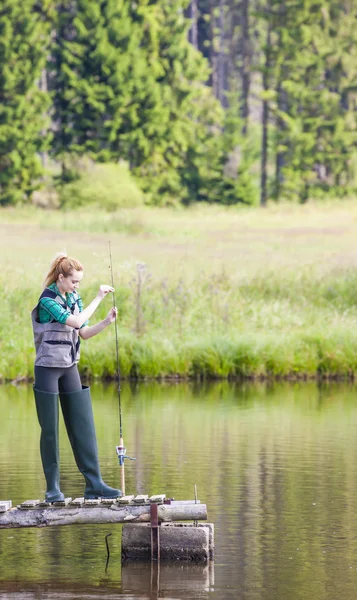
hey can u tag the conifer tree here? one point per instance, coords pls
(23, 43)
(127, 84)
(183, 150)
(310, 93)
(95, 71)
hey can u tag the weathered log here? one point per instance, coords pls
(45, 517)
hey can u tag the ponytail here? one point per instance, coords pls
(62, 264)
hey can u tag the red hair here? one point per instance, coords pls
(62, 264)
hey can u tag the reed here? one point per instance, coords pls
(201, 293)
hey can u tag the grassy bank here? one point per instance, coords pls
(203, 292)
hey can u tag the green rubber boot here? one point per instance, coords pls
(78, 417)
(47, 413)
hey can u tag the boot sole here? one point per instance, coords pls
(104, 497)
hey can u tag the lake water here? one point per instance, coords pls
(275, 464)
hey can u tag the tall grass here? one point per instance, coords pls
(201, 293)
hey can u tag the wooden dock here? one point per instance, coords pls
(128, 509)
(152, 525)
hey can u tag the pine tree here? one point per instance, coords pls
(96, 66)
(310, 96)
(188, 118)
(305, 54)
(127, 84)
(23, 45)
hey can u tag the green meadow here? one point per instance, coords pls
(203, 292)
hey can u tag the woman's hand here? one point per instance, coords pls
(77, 321)
(112, 315)
(104, 290)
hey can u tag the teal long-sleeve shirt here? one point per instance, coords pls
(49, 309)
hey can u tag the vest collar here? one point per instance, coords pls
(54, 288)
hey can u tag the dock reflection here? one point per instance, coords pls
(167, 580)
(139, 581)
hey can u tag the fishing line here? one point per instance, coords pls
(120, 450)
(116, 346)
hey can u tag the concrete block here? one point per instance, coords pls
(178, 541)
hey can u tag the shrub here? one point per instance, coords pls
(109, 186)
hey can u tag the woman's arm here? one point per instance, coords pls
(89, 331)
(77, 321)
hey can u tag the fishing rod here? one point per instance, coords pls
(120, 450)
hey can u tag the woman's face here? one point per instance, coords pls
(67, 285)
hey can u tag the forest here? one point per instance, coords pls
(225, 101)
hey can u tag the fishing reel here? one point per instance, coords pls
(121, 453)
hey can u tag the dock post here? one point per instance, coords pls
(155, 533)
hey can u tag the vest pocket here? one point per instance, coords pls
(55, 351)
(54, 343)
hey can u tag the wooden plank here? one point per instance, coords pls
(60, 503)
(69, 515)
(126, 499)
(141, 499)
(107, 501)
(5, 505)
(90, 503)
(29, 504)
(158, 499)
(45, 504)
(77, 502)
(57, 504)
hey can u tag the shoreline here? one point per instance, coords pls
(259, 378)
(273, 299)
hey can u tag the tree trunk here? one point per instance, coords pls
(246, 60)
(280, 158)
(44, 88)
(221, 55)
(265, 120)
(194, 19)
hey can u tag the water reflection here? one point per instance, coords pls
(140, 581)
(275, 464)
(167, 580)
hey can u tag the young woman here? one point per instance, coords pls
(59, 321)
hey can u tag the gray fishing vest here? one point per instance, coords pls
(57, 344)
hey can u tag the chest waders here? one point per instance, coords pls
(57, 345)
